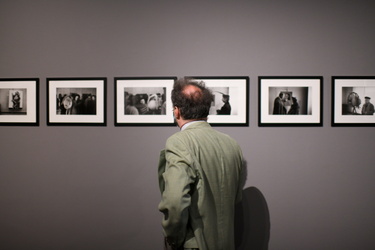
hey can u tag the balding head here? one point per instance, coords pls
(192, 91)
(192, 98)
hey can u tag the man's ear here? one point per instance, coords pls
(176, 113)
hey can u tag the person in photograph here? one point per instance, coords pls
(130, 108)
(294, 108)
(226, 108)
(67, 102)
(154, 104)
(163, 108)
(200, 175)
(368, 107)
(77, 105)
(58, 104)
(90, 105)
(354, 103)
(287, 102)
(278, 105)
(142, 106)
(62, 107)
(16, 99)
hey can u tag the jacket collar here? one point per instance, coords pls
(194, 124)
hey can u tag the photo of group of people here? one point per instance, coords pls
(76, 101)
(13, 101)
(357, 101)
(289, 101)
(145, 100)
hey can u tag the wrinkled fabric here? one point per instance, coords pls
(200, 173)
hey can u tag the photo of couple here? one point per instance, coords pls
(286, 104)
(289, 100)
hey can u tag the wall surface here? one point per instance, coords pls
(96, 187)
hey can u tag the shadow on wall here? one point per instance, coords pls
(252, 224)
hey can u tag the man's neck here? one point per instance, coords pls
(184, 123)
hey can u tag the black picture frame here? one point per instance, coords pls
(349, 97)
(76, 101)
(306, 91)
(148, 101)
(231, 105)
(19, 101)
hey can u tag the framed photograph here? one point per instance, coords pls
(143, 101)
(231, 100)
(290, 101)
(19, 101)
(76, 101)
(352, 100)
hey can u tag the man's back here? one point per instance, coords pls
(202, 184)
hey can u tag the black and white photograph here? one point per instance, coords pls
(19, 99)
(290, 101)
(231, 100)
(74, 101)
(353, 101)
(222, 102)
(143, 101)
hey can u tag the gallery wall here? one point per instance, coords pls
(91, 187)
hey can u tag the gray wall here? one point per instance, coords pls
(96, 187)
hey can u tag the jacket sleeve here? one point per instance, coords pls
(176, 199)
(161, 170)
(242, 181)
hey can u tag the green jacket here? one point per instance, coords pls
(200, 178)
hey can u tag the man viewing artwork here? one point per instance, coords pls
(200, 175)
